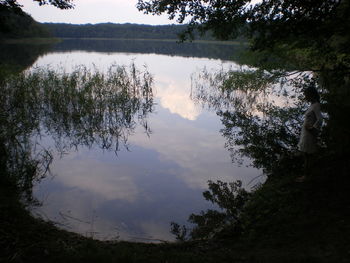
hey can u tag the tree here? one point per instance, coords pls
(230, 198)
(62, 4)
(312, 35)
(295, 42)
(262, 21)
(14, 23)
(316, 30)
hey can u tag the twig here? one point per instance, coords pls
(255, 178)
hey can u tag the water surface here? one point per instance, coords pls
(159, 176)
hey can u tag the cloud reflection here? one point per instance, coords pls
(197, 149)
(156, 231)
(92, 209)
(175, 97)
(106, 179)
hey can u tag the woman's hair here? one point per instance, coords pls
(312, 91)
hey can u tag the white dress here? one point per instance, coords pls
(312, 119)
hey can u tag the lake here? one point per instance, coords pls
(158, 174)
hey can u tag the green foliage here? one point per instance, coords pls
(62, 4)
(14, 23)
(202, 15)
(300, 35)
(267, 22)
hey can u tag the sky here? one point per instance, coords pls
(94, 11)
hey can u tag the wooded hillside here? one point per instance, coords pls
(110, 30)
(14, 23)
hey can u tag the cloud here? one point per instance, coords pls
(106, 179)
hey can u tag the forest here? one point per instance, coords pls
(17, 24)
(110, 30)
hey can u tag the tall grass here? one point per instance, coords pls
(85, 107)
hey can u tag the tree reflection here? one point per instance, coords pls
(82, 108)
(261, 112)
(20, 56)
(172, 48)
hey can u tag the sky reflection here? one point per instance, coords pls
(136, 194)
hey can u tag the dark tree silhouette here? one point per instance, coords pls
(266, 21)
(62, 4)
(311, 34)
(15, 23)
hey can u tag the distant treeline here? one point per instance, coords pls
(205, 49)
(123, 31)
(14, 23)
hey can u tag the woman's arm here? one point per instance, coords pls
(319, 119)
(316, 127)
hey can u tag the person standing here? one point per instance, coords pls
(311, 127)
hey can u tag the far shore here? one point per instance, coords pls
(52, 40)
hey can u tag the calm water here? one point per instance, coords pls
(160, 177)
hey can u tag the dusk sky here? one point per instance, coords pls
(93, 11)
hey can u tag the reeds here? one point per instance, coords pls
(85, 107)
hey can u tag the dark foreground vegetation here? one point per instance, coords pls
(17, 24)
(284, 222)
